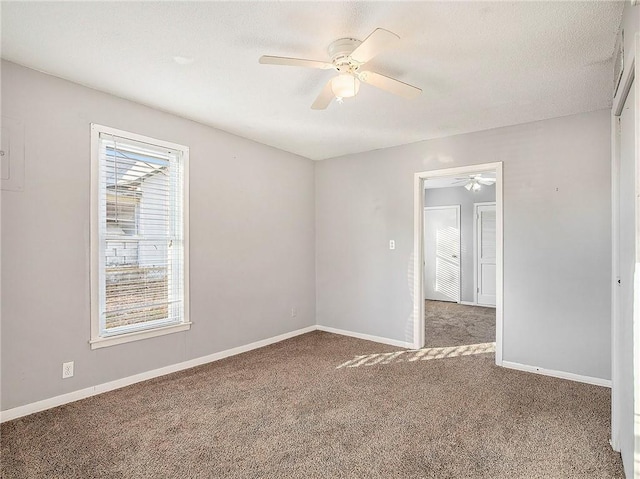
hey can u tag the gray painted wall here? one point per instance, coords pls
(557, 243)
(252, 241)
(460, 196)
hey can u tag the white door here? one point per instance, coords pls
(442, 253)
(485, 254)
(624, 376)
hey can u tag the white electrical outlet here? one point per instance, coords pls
(392, 244)
(294, 312)
(67, 370)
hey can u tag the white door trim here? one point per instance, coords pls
(418, 251)
(475, 248)
(625, 86)
(615, 273)
(636, 286)
(458, 208)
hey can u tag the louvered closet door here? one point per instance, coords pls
(442, 253)
(486, 254)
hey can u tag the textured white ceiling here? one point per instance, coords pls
(481, 65)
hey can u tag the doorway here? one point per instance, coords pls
(447, 259)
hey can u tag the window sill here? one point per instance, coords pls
(97, 343)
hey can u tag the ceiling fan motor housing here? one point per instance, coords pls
(340, 52)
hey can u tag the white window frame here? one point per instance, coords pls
(97, 340)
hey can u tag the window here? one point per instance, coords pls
(139, 247)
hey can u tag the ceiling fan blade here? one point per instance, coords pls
(390, 84)
(486, 181)
(378, 41)
(324, 98)
(294, 62)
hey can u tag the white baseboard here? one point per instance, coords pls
(558, 374)
(49, 403)
(368, 337)
(471, 303)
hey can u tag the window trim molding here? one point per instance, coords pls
(96, 340)
(104, 341)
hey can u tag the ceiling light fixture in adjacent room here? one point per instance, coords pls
(473, 185)
(474, 182)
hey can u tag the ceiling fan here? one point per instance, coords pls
(347, 56)
(475, 182)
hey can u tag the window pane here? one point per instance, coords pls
(141, 231)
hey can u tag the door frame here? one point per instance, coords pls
(459, 210)
(418, 248)
(475, 249)
(626, 83)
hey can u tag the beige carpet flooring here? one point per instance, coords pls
(453, 324)
(324, 406)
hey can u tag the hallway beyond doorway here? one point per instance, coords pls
(453, 324)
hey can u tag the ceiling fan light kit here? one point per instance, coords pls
(474, 183)
(345, 86)
(347, 56)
